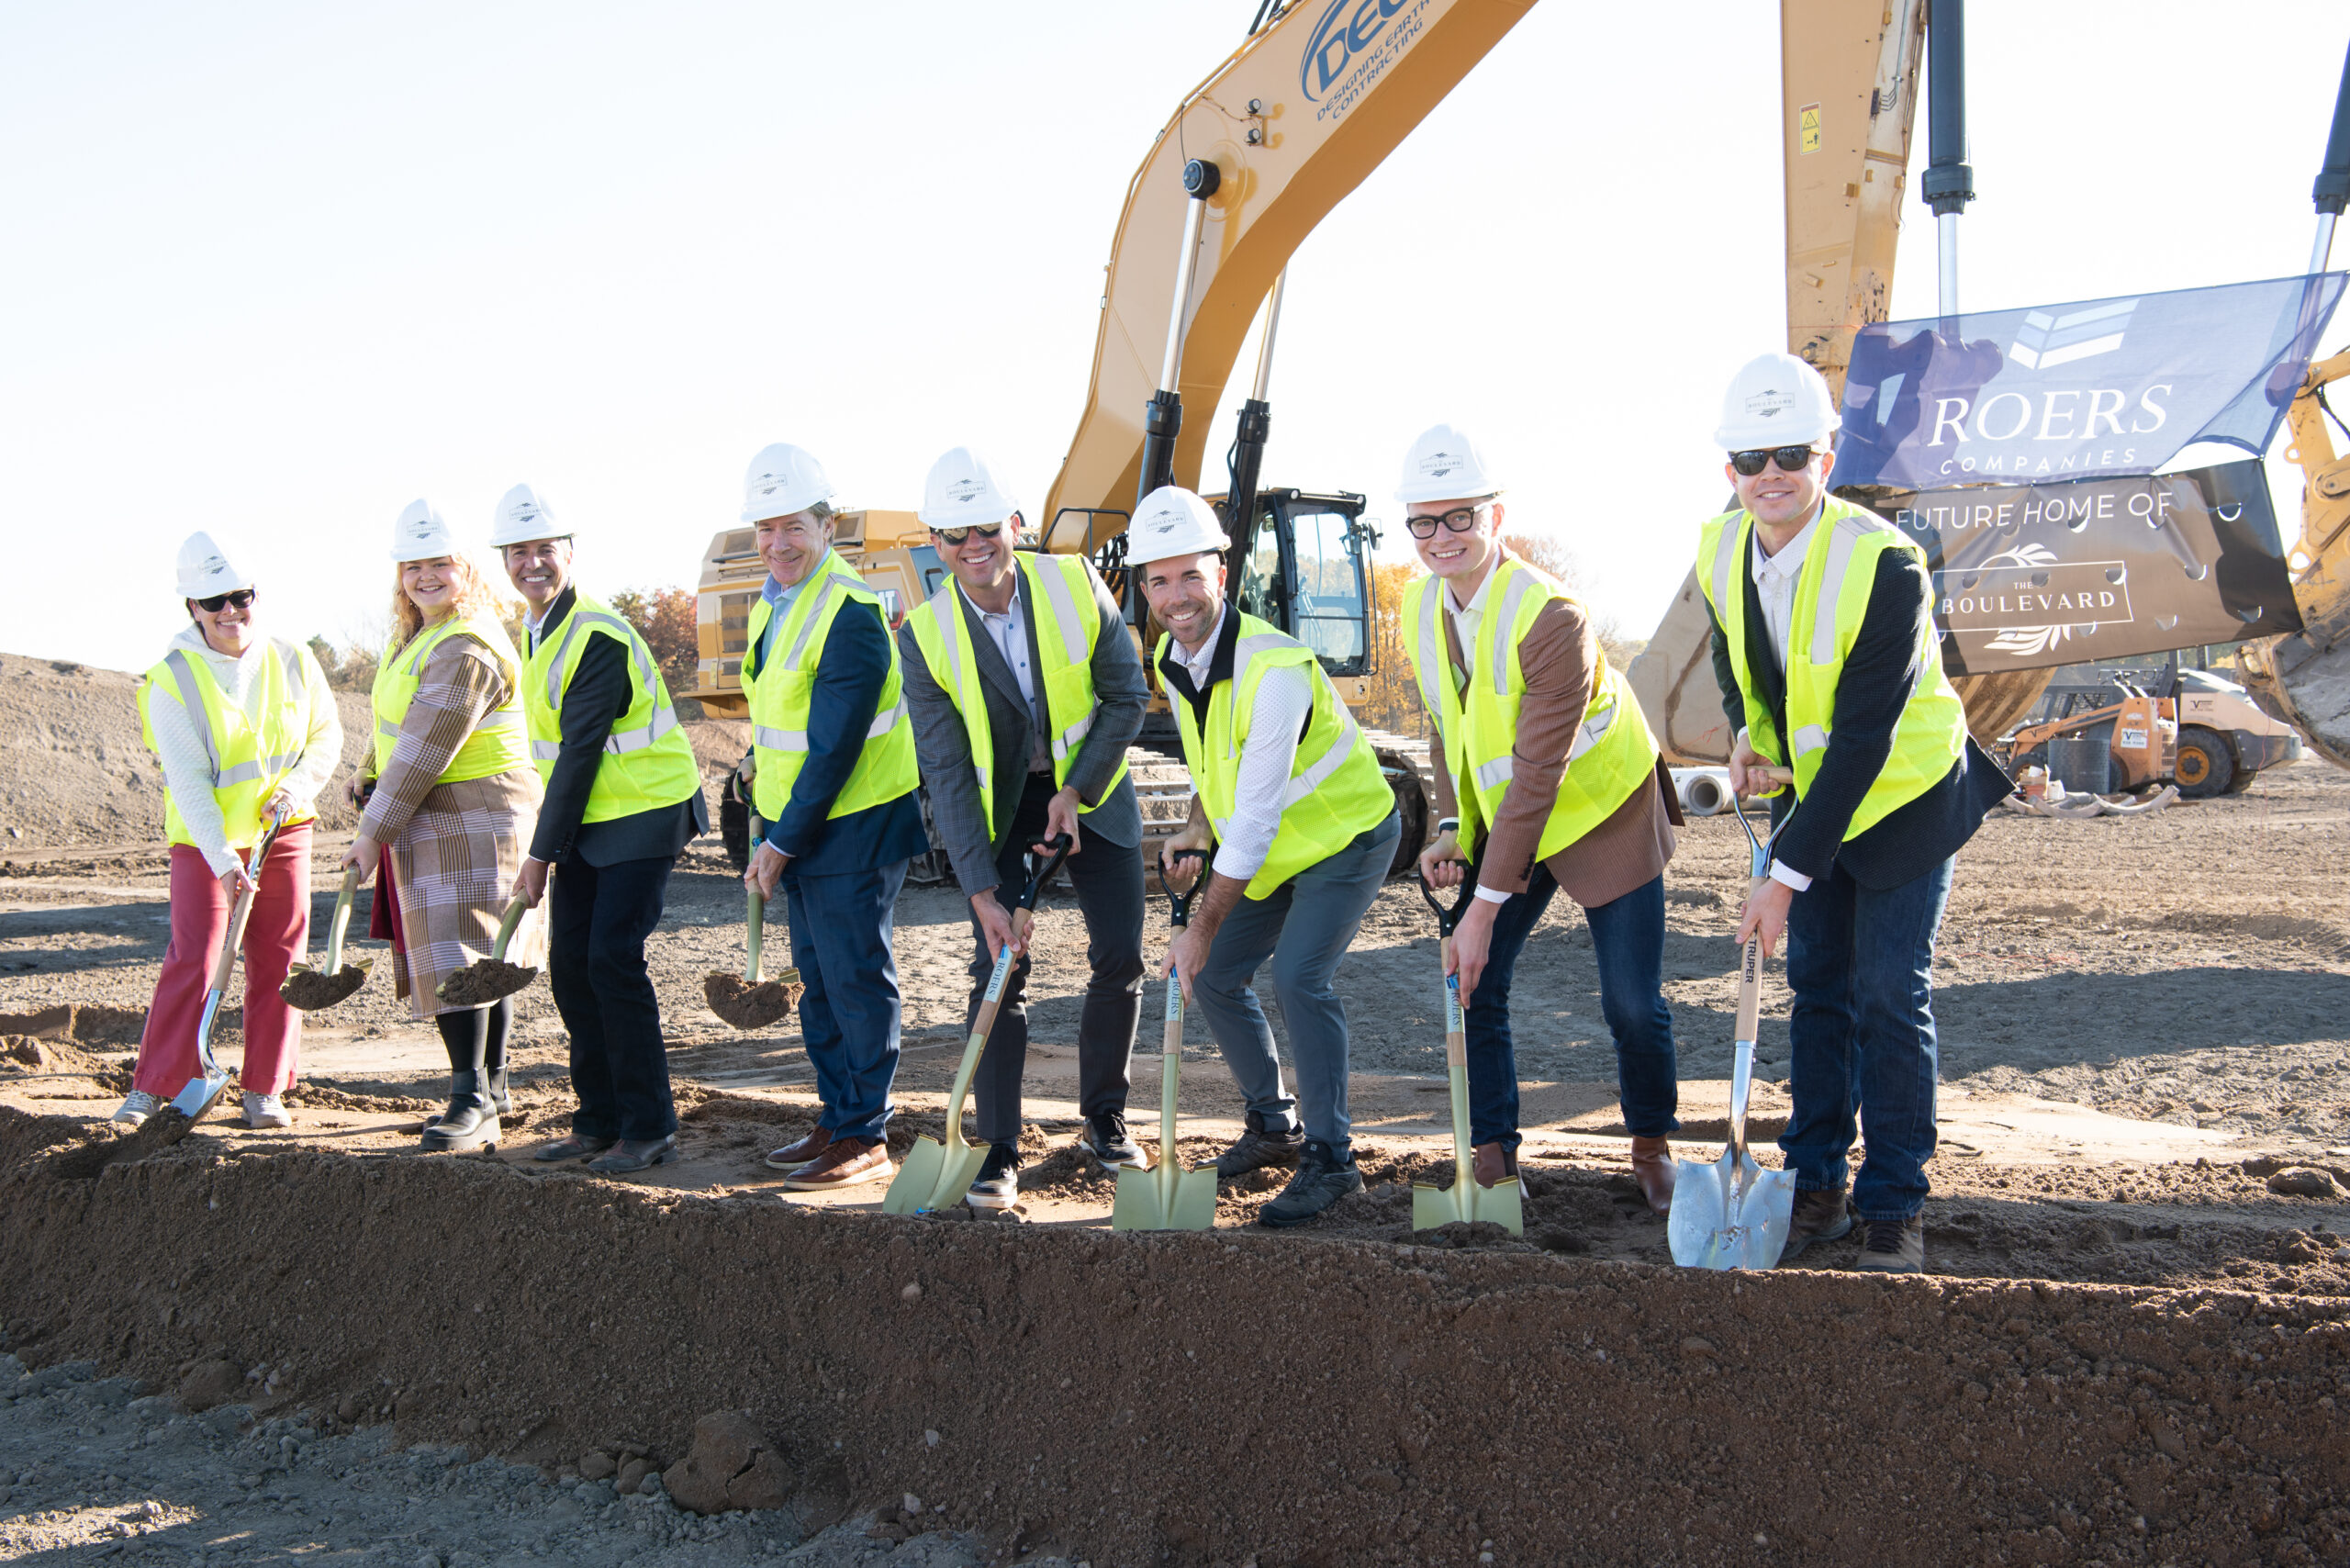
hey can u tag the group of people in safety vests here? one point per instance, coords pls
(1011, 695)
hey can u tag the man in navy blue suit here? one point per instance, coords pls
(833, 751)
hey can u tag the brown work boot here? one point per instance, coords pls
(1652, 1168)
(1894, 1247)
(792, 1156)
(1823, 1216)
(1492, 1163)
(845, 1162)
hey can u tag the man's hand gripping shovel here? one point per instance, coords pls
(1502, 1204)
(936, 1175)
(1733, 1214)
(1166, 1196)
(204, 1091)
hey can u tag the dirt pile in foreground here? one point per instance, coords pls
(1210, 1398)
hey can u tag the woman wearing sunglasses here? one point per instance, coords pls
(246, 730)
(455, 801)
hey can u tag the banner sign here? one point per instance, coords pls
(2069, 391)
(2027, 576)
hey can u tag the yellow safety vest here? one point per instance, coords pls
(1336, 790)
(1060, 596)
(1838, 570)
(780, 695)
(648, 762)
(1612, 756)
(247, 760)
(497, 745)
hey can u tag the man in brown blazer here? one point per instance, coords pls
(1556, 757)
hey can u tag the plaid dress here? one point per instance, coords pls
(452, 850)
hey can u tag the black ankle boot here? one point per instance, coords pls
(498, 1020)
(471, 1120)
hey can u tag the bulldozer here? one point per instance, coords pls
(1316, 94)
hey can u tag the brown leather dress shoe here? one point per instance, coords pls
(1492, 1163)
(845, 1162)
(1652, 1168)
(792, 1156)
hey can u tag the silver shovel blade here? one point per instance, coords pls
(1731, 1213)
(1765, 1212)
(1701, 1198)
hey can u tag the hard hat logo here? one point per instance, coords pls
(1444, 464)
(1775, 399)
(965, 490)
(1173, 522)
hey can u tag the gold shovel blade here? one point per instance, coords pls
(1502, 1204)
(933, 1175)
(1165, 1198)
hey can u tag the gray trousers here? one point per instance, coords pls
(1304, 926)
(1109, 885)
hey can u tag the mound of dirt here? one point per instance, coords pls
(308, 989)
(28, 1053)
(1447, 1389)
(90, 1026)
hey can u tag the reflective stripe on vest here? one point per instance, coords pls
(1611, 756)
(1060, 600)
(1336, 789)
(498, 744)
(780, 696)
(246, 760)
(1839, 573)
(647, 763)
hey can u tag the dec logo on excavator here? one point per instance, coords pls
(1339, 41)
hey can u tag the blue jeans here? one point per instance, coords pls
(1304, 926)
(840, 929)
(1860, 962)
(1627, 940)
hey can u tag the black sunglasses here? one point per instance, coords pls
(1459, 520)
(1790, 459)
(242, 598)
(956, 535)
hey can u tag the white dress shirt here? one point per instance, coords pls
(1268, 753)
(1774, 583)
(1010, 630)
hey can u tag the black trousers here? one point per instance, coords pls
(1108, 879)
(597, 919)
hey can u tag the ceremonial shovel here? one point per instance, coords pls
(489, 980)
(747, 1002)
(1166, 1196)
(1502, 1204)
(204, 1090)
(310, 989)
(935, 1175)
(1732, 1214)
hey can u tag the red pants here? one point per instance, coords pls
(275, 934)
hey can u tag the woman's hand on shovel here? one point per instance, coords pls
(365, 854)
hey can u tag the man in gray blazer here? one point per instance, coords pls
(1026, 691)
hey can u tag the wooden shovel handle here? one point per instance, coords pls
(1749, 976)
(1778, 778)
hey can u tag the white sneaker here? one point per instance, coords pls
(137, 1106)
(266, 1111)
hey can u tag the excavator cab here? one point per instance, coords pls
(1303, 568)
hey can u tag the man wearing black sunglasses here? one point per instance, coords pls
(1825, 649)
(1025, 692)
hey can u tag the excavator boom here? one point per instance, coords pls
(1295, 118)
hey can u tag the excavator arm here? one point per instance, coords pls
(1295, 119)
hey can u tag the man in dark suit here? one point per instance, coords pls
(1825, 649)
(623, 796)
(834, 754)
(1026, 691)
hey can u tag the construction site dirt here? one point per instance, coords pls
(2132, 1343)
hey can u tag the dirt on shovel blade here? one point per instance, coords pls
(308, 990)
(483, 981)
(751, 1007)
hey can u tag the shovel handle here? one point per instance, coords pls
(1749, 975)
(757, 919)
(338, 927)
(1772, 774)
(240, 911)
(515, 909)
(1180, 915)
(1448, 917)
(1060, 843)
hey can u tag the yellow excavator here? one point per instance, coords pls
(1317, 93)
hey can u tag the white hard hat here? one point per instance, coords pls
(783, 480)
(1444, 464)
(1775, 400)
(1172, 520)
(420, 534)
(205, 569)
(961, 492)
(522, 516)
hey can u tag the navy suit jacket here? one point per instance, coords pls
(851, 670)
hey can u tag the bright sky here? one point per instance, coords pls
(276, 269)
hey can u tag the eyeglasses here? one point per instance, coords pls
(1790, 459)
(956, 535)
(242, 598)
(1459, 520)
